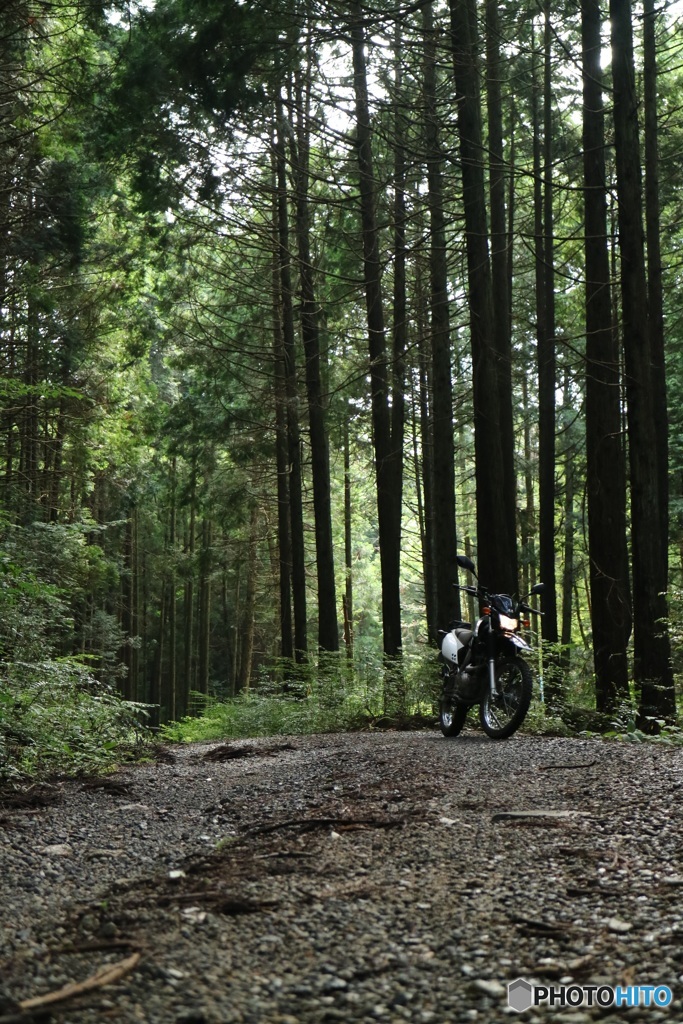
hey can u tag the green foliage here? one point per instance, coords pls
(56, 718)
(59, 654)
(330, 697)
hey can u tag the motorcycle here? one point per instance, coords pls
(482, 665)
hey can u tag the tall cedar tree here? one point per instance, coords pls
(328, 629)
(501, 261)
(653, 672)
(496, 553)
(605, 455)
(388, 455)
(291, 391)
(443, 537)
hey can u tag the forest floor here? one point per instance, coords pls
(376, 877)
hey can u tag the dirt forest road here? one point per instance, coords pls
(379, 877)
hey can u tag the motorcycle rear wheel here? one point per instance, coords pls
(502, 715)
(452, 716)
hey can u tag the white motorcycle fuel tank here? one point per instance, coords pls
(451, 646)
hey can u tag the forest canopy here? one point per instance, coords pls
(300, 300)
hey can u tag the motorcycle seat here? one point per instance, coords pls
(459, 624)
(464, 633)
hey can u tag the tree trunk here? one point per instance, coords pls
(545, 337)
(156, 695)
(443, 454)
(294, 446)
(348, 543)
(204, 637)
(501, 268)
(282, 465)
(388, 514)
(655, 297)
(496, 556)
(528, 517)
(427, 473)
(187, 684)
(605, 456)
(400, 302)
(172, 609)
(652, 657)
(328, 628)
(248, 615)
(569, 531)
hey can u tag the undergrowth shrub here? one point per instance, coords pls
(55, 718)
(333, 695)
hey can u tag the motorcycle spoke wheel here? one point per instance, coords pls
(451, 716)
(503, 714)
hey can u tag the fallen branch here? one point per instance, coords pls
(106, 975)
(218, 899)
(332, 822)
(229, 751)
(535, 927)
(25, 1018)
(97, 945)
(577, 764)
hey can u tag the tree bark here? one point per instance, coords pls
(496, 556)
(204, 637)
(172, 610)
(293, 437)
(388, 514)
(501, 266)
(248, 614)
(188, 610)
(348, 543)
(547, 365)
(655, 295)
(282, 464)
(605, 455)
(652, 657)
(328, 627)
(445, 544)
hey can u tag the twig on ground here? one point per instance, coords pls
(106, 975)
(577, 764)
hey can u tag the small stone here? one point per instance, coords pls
(176, 874)
(489, 988)
(108, 930)
(616, 925)
(59, 850)
(334, 984)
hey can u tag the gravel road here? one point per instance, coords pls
(379, 877)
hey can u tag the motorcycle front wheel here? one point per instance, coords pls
(451, 716)
(502, 714)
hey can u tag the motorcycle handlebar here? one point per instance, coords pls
(483, 592)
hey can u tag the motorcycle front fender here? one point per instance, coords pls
(519, 642)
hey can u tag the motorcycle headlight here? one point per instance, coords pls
(508, 624)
